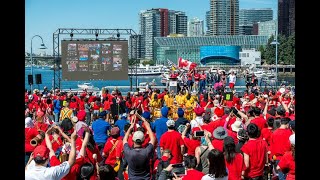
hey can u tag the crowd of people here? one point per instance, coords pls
(196, 134)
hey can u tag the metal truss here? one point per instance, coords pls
(75, 31)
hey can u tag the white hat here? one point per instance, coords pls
(74, 119)
(28, 122)
(292, 139)
(138, 136)
(282, 90)
(236, 126)
(170, 123)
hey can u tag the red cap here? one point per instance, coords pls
(199, 111)
(41, 151)
(219, 111)
(81, 115)
(195, 129)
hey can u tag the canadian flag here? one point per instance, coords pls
(185, 64)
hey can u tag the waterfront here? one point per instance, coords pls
(47, 80)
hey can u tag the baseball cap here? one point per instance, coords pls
(74, 119)
(138, 136)
(41, 151)
(103, 113)
(170, 123)
(199, 111)
(114, 131)
(81, 115)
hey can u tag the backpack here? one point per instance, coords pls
(162, 164)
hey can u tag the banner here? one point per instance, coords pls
(185, 64)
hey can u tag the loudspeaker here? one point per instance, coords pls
(30, 79)
(38, 79)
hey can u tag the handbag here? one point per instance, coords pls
(117, 164)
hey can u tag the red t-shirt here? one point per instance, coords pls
(191, 145)
(266, 134)
(117, 151)
(106, 105)
(260, 122)
(189, 76)
(75, 169)
(56, 144)
(207, 127)
(146, 105)
(279, 142)
(235, 167)
(81, 104)
(287, 163)
(196, 76)
(257, 150)
(233, 134)
(41, 126)
(172, 140)
(218, 144)
(30, 133)
(193, 175)
(73, 105)
(89, 151)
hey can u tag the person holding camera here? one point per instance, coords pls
(138, 158)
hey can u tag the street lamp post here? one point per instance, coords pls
(275, 42)
(42, 47)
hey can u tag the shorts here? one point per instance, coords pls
(231, 85)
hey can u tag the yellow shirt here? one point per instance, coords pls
(181, 100)
(156, 103)
(169, 101)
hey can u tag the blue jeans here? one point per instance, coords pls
(159, 152)
(281, 175)
(56, 117)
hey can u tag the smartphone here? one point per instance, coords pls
(199, 134)
(179, 169)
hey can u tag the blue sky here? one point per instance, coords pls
(44, 17)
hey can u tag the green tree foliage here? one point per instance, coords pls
(286, 50)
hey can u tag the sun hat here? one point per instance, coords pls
(236, 126)
(220, 133)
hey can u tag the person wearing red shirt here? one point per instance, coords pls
(190, 82)
(279, 142)
(219, 134)
(106, 105)
(234, 161)
(206, 122)
(287, 162)
(39, 125)
(255, 153)
(190, 163)
(113, 148)
(196, 80)
(258, 120)
(217, 119)
(172, 140)
(267, 132)
(191, 143)
(30, 133)
(81, 103)
(203, 77)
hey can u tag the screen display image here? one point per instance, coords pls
(94, 60)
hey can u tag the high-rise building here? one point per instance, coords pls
(159, 22)
(208, 22)
(251, 16)
(178, 22)
(224, 17)
(286, 17)
(135, 47)
(195, 27)
(248, 17)
(267, 28)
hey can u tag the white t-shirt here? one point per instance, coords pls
(34, 172)
(211, 177)
(232, 78)
(196, 122)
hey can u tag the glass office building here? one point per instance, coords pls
(189, 47)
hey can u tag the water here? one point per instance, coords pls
(47, 80)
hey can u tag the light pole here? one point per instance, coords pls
(42, 47)
(275, 42)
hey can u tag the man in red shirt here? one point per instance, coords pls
(258, 120)
(279, 142)
(190, 163)
(191, 143)
(287, 162)
(255, 153)
(113, 148)
(172, 140)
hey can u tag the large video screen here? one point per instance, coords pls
(94, 60)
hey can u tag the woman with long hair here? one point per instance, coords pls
(217, 166)
(234, 161)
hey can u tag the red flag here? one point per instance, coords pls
(185, 64)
